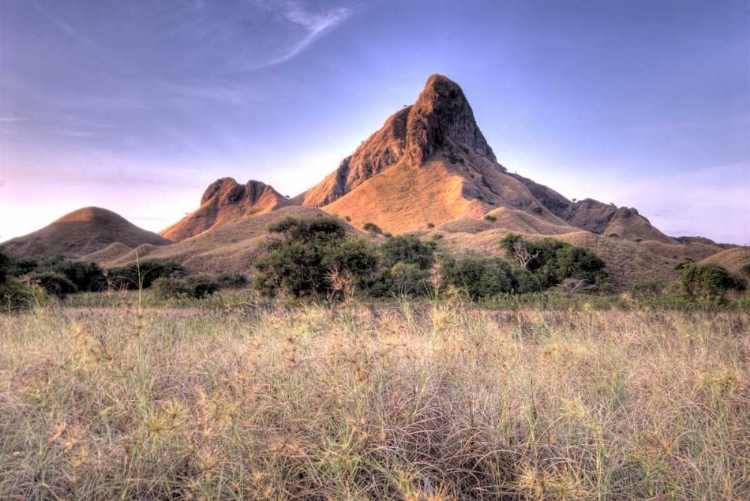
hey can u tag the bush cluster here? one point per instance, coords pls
(709, 284)
(192, 286)
(26, 282)
(22, 280)
(14, 294)
(306, 258)
(143, 274)
(553, 261)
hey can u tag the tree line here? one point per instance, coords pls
(317, 257)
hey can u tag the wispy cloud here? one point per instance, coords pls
(316, 25)
(214, 92)
(88, 123)
(12, 119)
(62, 25)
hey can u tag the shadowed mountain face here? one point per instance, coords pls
(596, 217)
(81, 232)
(224, 201)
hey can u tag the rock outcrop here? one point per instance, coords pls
(224, 201)
(441, 115)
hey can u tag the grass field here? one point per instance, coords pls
(435, 402)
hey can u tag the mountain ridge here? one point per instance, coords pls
(428, 171)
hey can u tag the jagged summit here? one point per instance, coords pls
(441, 116)
(223, 201)
(442, 111)
(227, 191)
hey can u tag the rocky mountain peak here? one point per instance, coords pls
(226, 191)
(412, 134)
(441, 111)
(226, 200)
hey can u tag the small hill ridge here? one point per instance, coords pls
(731, 259)
(224, 201)
(82, 232)
(596, 217)
(232, 247)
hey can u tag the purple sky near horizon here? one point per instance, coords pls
(137, 106)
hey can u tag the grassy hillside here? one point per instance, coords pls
(731, 259)
(82, 232)
(232, 247)
(440, 403)
(627, 262)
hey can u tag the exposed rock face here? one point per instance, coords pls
(441, 115)
(223, 201)
(442, 111)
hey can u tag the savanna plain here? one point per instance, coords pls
(415, 401)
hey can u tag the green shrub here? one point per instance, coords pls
(490, 218)
(16, 296)
(87, 277)
(537, 210)
(554, 261)
(430, 226)
(372, 228)
(745, 270)
(708, 284)
(143, 274)
(485, 277)
(407, 279)
(168, 287)
(201, 285)
(6, 264)
(408, 249)
(193, 286)
(25, 266)
(231, 280)
(301, 262)
(55, 284)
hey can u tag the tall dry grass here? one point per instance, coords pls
(441, 402)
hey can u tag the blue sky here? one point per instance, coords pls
(138, 105)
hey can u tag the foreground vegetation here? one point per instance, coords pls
(317, 258)
(442, 401)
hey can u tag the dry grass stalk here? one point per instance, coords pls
(426, 403)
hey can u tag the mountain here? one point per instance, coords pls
(596, 217)
(429, 164)
(81, 232)
(224, 201)
(428, 171)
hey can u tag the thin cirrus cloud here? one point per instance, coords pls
(315, 24)
(61, 25)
